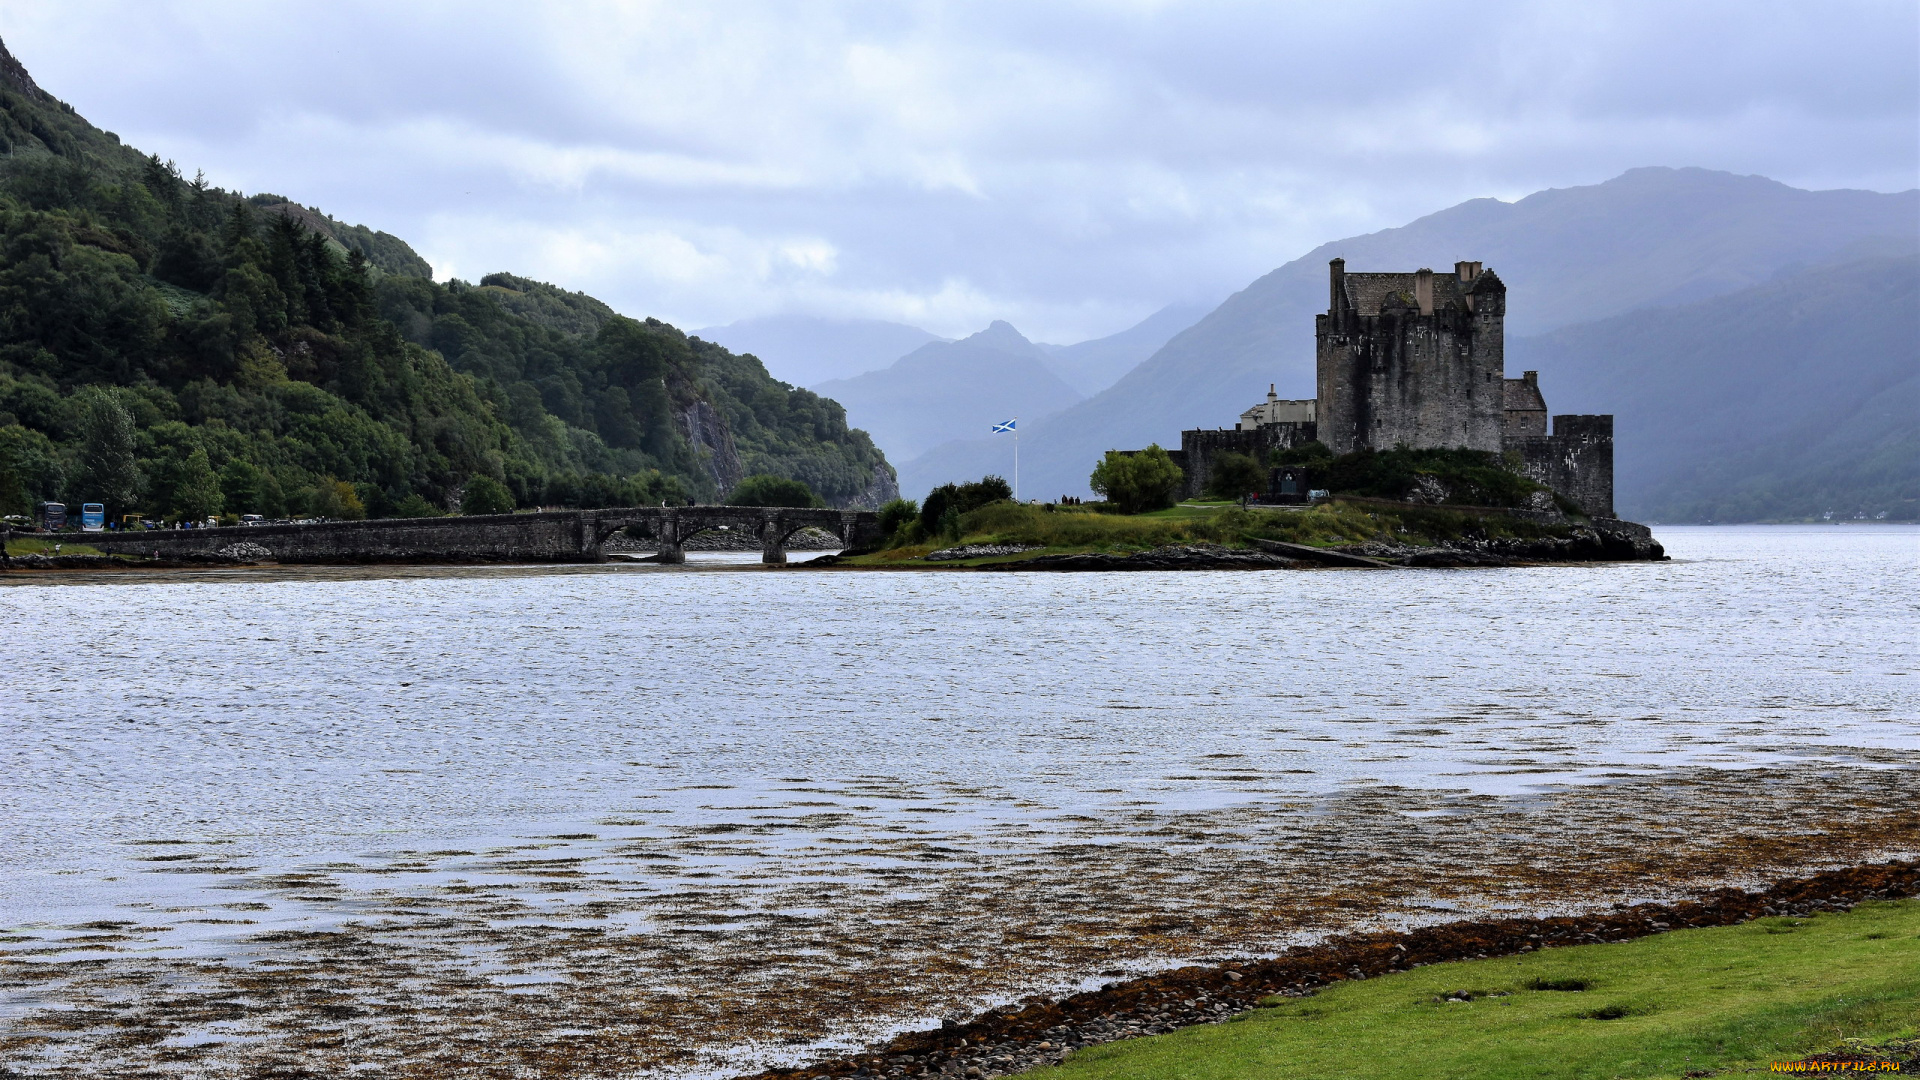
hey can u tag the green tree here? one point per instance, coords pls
(337, 499)
(110, 473)
(13, 490)
(34, 461)
(1138, 481)
(197, 494)
(765, 490)
(1236, 476)
(485, 495)
(273, 499)
(242, 487)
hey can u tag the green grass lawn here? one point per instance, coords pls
(40, 545)
(1691, 1001)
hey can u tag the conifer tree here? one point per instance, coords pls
(109, 471)
(197, 495)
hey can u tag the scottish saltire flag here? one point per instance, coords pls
(1008, 426)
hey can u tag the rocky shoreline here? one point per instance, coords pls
(1014, 1038)
(114, 562)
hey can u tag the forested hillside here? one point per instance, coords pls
(176, 349)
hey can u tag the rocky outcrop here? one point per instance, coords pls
(176, 561)
(979, 551)
(707, 432)
(1601, 540)
(13, 76)
(881, 490)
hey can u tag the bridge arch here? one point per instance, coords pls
(671, 527)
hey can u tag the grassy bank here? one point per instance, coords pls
(40, 545)
(1067, 529)
(1687, 1003)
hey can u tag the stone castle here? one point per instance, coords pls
(1419, 359)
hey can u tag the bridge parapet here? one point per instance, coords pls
(548, 536)
(670, 527)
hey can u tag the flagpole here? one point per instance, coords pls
(1016, 459)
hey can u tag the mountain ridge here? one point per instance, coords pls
(1568, 255)
(948, 388)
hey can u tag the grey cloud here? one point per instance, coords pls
(1069, 167)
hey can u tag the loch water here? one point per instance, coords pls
(551, 787)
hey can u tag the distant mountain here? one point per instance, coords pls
(1092, 366)
(948, 390)
(1779, 402)
(1648, 237)
(806, 351)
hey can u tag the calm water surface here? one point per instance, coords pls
(337, 749)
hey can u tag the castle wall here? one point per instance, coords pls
(1199, 447)
(1424, 368)
(1576, 460)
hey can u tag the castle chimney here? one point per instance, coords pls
(1271, 396)
(1531, 378)
(1463, 271)
(1336, 281)
(1423, 290)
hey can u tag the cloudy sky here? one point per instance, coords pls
(1067, 166)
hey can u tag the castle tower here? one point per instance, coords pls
(1412, 358)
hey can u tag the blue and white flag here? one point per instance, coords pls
(1008, 426)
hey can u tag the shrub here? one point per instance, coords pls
(1312, 454)
(1236, 476)
(415, 506)
(960, 499)
(1137, 481)
(1469, 477)
(485, 495)
(766, 490)
(897, 515)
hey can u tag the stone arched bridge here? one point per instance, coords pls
(543, 536)
(671, 527)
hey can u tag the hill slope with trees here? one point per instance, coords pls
(176, 349)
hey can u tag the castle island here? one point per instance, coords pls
(1404, 361)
